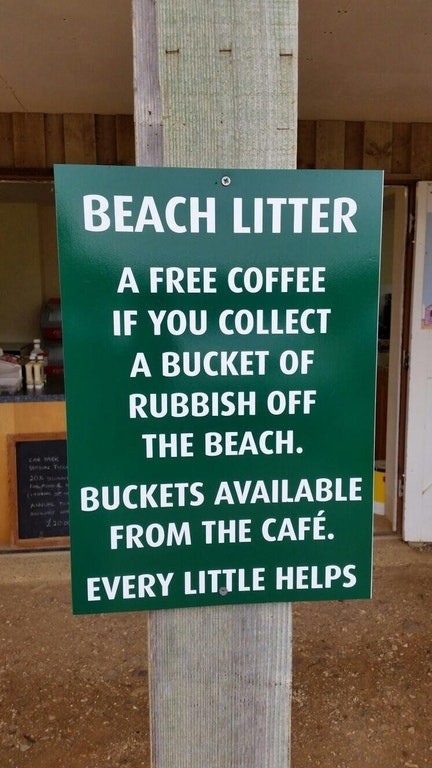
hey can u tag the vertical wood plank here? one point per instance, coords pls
(29, 140)
(401, 154)
(306, 145)
(377, 146)
(54, 139)
(79, 138)
(125, 135)
(148, 107)
(421, 150)
(106, 139)
(354, 145)
(220, 678)
(192, 53)
(330, 143)
(6, 141)
(221, 687)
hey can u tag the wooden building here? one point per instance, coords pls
(395, 137)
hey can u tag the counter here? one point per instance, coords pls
(25, 413)
(52, 391)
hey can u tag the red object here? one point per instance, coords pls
(51, 320)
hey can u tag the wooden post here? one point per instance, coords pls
(215, 86)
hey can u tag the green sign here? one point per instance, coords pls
(220, 352)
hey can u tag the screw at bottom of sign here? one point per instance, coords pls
(223, 591)
(299, 449)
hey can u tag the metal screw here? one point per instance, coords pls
(223, 591)
(225, 181)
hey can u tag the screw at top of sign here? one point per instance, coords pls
(225, 181)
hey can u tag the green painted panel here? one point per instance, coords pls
(220, 353)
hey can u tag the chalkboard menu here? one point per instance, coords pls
(41, 490)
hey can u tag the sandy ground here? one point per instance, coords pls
(73, 690)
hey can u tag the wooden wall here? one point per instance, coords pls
(33, 141)
(402, 150)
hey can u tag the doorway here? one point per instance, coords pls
(417, 513)
(389, 359)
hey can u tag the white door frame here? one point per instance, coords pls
(417, 519)
(395, 359)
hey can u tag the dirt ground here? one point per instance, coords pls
(73, 690)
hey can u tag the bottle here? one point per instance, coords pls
(39, 371)
(29, 371)
(36, 349)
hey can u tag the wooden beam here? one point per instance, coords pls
(377, 147)
(216, 85)
(54, 139)
(6, 141)
(106, 144)
(306, 146)
(125, 138)
(401, 150)
(29, 140)
(227, 82)
(354, 145)
(79, 138)
(148, 103)
(330, 144)
(421, 150)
